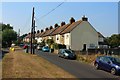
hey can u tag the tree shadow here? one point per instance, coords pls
(3, 52)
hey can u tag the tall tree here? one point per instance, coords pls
(5, 26)
(8, 35)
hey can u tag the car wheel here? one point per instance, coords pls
(58, 55)
(113, 71)
(96, 65)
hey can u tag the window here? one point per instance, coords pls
(67, 36)
(57, 38)
(105, 59)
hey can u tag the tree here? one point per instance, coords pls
(8, 35)
(114, 40)
(50, 42)
(5, 26)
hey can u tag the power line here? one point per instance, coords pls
(52, 10)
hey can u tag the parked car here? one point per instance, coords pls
(45, 49)
(39, 47)
(108, 63)
(25, 46)
(21, 44)
(65, 53)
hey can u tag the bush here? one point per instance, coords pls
(59, 46)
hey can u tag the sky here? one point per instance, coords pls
(103, 16)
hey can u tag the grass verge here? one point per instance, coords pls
(18, 64)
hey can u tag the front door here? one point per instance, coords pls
(84, 47)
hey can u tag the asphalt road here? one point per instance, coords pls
(78, 69)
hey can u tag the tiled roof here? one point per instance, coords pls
(36, 35)
(28, 36)
(60, 29)
(71, 27)
(47, 33)
(40, 34)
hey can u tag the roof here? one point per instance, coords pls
(100, 35)
(60, 29)
(40, 34)
(47, 33)
(71, 27)
(28, 36)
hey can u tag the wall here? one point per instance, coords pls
(39, 39)
(84, 33)
(67, 39)
(57, 39)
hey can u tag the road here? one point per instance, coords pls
(78, 69)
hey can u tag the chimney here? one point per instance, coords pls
(72, 20)
(51, 27)
(38, 31)
(62, 23)
(84, 18)
(56, 25)
(46, 29)
(42, 30)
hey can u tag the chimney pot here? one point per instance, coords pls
(51, 27)
(72, 20)
(62, 23)
(56, 25)
(42, 30)
(84, 18)
(38, 31)
(46, 29)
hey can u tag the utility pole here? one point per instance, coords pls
(18, 36)
(33, 33)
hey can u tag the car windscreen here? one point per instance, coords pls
(46, 47)
(68, 51)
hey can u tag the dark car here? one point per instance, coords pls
(108, 63)
(45, 49)
(65, 53)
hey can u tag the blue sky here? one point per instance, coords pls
(103, 16)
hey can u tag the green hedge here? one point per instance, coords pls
(59, 46)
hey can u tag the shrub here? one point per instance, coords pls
(59, 46)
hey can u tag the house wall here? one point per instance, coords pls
(62, 39)
(84, 33)
(49, 37)
(101, 39)
(39, 39)
(57, 39)
(27, 39)
(67, 40)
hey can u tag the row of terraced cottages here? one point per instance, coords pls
(76, 35)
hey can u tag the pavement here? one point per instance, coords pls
(76, 68)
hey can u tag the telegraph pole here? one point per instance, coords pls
(33, 33)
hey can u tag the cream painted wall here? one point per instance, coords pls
(57, 39)
(84, 33)
(39, 39)
(67, 40)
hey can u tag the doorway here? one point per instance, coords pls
(84, 47)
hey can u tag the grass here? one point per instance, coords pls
(18, 64)
(89, 59)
